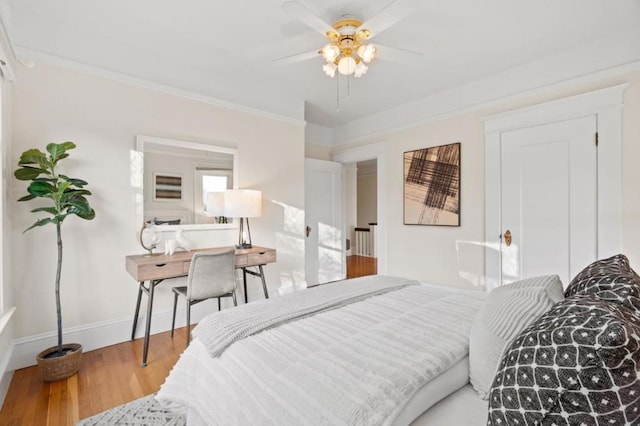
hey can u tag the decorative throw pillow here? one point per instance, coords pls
(610, 279)
(577, 364)
(507, 311)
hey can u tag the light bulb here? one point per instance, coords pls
(330, 69)
(347, 65)
(330, 52)
(361, 69)
(367, 52)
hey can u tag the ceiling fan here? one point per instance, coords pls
(348, 50)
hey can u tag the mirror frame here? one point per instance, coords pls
(143, 140)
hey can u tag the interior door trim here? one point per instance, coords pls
(606, 104)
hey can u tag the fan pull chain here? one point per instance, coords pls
(348, 87)
(338, 93)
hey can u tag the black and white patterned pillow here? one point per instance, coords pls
(610, 279)
(577, 364)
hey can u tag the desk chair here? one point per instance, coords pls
(211, 275)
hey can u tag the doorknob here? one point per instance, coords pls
(308, 230)
(507, 237)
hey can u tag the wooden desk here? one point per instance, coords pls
(158, 267)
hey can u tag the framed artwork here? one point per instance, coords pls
(432, 186)
(167, 186)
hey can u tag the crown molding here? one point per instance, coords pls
(587, 64)
(72, 65)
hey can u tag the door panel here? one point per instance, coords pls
(324, 244)
(549, 199)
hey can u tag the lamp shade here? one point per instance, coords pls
(215, 204)
(242, 203)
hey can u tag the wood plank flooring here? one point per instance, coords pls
(359, 266)
(108, 376)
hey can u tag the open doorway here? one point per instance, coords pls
(361, 221)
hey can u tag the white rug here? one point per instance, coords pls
(144, 411)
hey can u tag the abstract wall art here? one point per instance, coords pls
(167, 187)
(432, 186)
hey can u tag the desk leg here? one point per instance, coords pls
(264, 283)
(244, 280)
(260, 274)
(147, 330)
(135, 316)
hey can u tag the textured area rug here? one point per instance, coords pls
(144, 411)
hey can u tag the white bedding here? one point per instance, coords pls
(358, 364)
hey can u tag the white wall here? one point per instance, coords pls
(438, 253)
(103, 117)
(367, 200)
(453, 255)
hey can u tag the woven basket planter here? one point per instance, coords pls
(58, 368)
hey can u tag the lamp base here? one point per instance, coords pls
(244, 246)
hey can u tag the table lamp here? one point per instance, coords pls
(243, 204)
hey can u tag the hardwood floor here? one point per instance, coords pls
(359, 266)
(108, 376)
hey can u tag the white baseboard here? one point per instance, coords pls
(100, 334)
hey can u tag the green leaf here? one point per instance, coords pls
(40, 189)
(58, 150)
(70, 193)
(87, 215)
(41, 222)
(51, 210)
(28, 173)
(63, 187)
(68, 145)
(74, 181)
(32, 156)
(79, 206)
(27, 197)
(78, 202)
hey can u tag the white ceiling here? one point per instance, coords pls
(225, 49)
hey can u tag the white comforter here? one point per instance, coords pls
(357, 364)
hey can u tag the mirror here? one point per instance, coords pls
(177, 176)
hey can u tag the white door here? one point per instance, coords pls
(549, 199)
(324, 245)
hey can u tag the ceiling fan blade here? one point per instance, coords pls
(299, 57)
(301, 12)
(394, 54)
(395, 11)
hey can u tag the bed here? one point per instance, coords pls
(373, 350)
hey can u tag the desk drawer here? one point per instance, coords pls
(161, 270)
(240, 260)
(261, 258)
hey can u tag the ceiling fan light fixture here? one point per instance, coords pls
(347, 65)
(330, 69)
(367, 52)
(330, 52)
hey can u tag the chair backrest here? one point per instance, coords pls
(211, 275)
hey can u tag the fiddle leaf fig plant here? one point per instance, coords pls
(65, 197)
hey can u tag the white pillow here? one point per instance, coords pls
(507, 311)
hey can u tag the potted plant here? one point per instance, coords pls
(65, 196)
